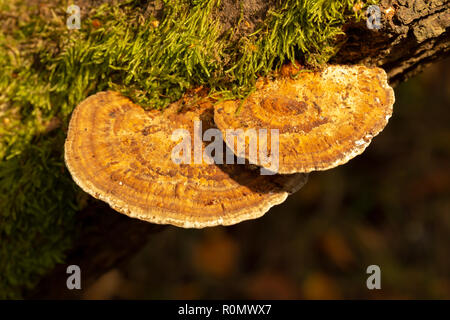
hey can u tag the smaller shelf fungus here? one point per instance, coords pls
(121, 154)
(323, 119)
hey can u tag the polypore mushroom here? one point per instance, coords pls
(323, 119)
(123, 155)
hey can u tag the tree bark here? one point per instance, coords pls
(414, 34)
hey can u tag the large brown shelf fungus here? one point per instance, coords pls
(323, 118)
(121, 154)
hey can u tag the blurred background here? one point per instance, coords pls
(389, 206)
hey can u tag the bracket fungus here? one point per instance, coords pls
(121, 154)
(324, 118)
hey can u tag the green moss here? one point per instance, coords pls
(47, 70)
(38, 206)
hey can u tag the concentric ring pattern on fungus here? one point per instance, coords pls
(323, 118)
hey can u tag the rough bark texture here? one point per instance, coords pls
(412, 37)
(415, 33)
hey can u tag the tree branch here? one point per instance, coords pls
(412, 38)
(415, 35)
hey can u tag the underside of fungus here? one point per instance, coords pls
(323, 119)
(121, 154)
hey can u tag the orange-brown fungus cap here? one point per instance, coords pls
(121, 154)
(324, 118)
